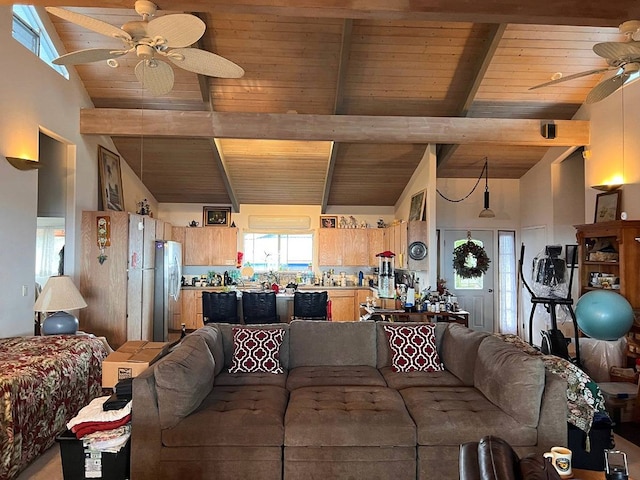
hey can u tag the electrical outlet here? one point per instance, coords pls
(25, 290)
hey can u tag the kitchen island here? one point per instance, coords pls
(345, 303)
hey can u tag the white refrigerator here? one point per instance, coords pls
(168, 274)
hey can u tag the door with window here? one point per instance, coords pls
(475, 295)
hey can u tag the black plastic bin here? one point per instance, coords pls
(600, 438)
(79, 463)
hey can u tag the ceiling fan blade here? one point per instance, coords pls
(89, 23)
(205, 63)
(606, 87)
(626, 51)
(88, 55)
(155, 76)
(572, 77)
(179, 30)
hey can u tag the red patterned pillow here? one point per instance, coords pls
(413, 348)
(256, 350)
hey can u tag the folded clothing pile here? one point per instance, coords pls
(103, 430)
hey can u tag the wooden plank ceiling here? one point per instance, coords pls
(392, 59)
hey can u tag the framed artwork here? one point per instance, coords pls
(110, 180)
(216, 216)
(607, 206)
(416, 210)
(571, 255)
(329, 221)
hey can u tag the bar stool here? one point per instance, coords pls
(310, 305)
(220, 307)
(259, 307)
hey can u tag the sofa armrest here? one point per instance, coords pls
(490, 459)
(552, 426)
(146, 439)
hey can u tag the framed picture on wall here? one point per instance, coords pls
(329, 221)
(416, 210)
(216, 216)
(607, 206)
(110, 179)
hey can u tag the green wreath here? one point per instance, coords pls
(470, 260)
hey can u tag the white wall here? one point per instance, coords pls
(35, 98)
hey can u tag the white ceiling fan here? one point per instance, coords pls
(166, 37)
(621, 56)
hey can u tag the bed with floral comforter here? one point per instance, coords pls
(44, 382)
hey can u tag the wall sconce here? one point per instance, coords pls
(23, 163)
(607, 188)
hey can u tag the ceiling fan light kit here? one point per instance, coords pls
(168, 36)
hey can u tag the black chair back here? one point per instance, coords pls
(259, 307)
(310, 305)
(220, 307)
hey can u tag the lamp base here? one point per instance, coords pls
(60, 323)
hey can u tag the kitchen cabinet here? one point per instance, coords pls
(191, 310)
(395, 240)
(118, 292)
(344, 247)
(620, 257)
(210, 246)
(343, 305)
(376, 244)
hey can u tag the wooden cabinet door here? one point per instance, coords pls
(197, 246)
(376, 244)
(342, 305)
(188, 313)
(355, 247)
(329, 247)
(224, 246)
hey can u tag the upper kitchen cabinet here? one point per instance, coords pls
(210, 246)
(376, 244)
(343, 247)
(395, 240)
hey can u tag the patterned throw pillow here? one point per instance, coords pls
(256, 350)
(413, 348)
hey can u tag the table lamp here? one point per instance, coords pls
(58, 295)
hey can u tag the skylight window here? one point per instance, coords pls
(28, 29)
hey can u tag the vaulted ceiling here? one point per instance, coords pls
(340, 99)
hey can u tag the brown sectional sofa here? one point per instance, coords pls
(339, 410)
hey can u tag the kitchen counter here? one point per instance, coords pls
(306, 288)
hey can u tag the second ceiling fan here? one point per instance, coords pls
(624, 57)
(168, 37)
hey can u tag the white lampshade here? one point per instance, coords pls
(59, 294)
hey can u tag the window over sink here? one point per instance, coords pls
(278, 252)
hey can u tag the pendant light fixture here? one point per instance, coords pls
(486, 211)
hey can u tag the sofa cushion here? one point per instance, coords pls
(213, 337)
(382, 343)
(233, 416)
(183, 379)
(459, 350)
(227, 341)
(400, 380)
(347, 416)
(332, 343)
(413, 348)
(511, 379)
(254, 378)
(455, 415)
(256, 350)
(334, 375)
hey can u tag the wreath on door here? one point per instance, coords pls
(470, 260)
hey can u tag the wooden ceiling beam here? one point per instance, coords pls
(445, 152)
(339, 128)
(566, 12)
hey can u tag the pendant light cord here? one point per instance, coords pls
(485, 168)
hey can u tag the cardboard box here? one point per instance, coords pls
(619, 400)
(130, 360)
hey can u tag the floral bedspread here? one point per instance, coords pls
(44, 382)
(584, 398)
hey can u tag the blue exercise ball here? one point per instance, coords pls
(604, 315)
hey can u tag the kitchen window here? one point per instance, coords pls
(278, 252)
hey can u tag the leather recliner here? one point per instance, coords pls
(492, 458)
